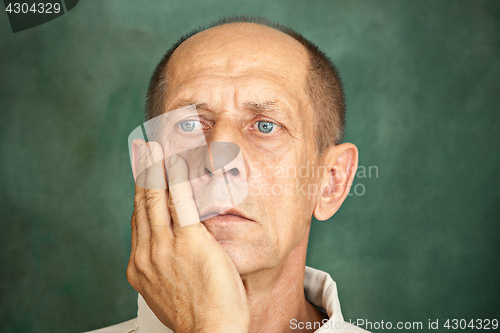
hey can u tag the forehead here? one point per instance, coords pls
(241, 50)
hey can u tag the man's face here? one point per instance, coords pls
(249, 83)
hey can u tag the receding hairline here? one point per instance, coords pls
(197, 40)
(229, 27)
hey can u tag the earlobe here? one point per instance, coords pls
(341, 164)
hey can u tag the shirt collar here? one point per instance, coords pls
(319, 288)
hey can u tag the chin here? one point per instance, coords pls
(249, 257)
(247, 242)
(240, 256)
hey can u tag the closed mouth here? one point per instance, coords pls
(223, 213)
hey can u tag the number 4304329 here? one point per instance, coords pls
(479, 324)
(36, 8)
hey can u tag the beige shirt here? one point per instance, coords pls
(320, 290)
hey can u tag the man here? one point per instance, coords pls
(273, 94)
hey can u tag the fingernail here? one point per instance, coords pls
(172, 159)
(142, 150)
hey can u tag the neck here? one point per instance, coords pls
(276, 296)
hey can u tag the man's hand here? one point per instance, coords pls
(184, 275)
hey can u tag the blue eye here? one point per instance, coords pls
(265, 126)
(190, 125)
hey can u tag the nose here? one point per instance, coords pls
(223, 180)
(224, 153)
(227, 157)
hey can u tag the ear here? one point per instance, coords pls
(134, 151)
(341, 163)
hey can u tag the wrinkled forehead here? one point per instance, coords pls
(240, 49)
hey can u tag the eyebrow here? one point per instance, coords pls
(267, 108)
(185, 102)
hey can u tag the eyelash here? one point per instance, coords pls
(275, 129)
(179, 124)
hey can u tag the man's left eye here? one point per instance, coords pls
(267, 126)
(190, 125)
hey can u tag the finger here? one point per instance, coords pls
(133, 226)
(181, 203)
(156, 194)
(131, 272)
(141, 218)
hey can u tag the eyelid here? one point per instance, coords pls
(279, 126)
(198, 119)
(186, 120)
(179, 127)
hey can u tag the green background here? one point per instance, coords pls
(422, 81)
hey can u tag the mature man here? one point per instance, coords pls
(272, 93)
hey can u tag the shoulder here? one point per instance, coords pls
(125, 327)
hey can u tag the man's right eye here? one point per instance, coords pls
(190, 125)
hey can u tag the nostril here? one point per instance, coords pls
(234, 172)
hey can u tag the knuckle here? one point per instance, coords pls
(179, 202)
(159, 253)
(180, 191)
(131, 275)
(138, 202)
(142, 262)
(152, 199)
(133, 278)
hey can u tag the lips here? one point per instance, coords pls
(223, 214)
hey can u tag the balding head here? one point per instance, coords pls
(249, 43)
(238, 48)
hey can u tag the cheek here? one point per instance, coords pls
(285, 195)
(283, 181)
(272, 180)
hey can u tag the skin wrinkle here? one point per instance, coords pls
(230, 89)
(208, 113)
